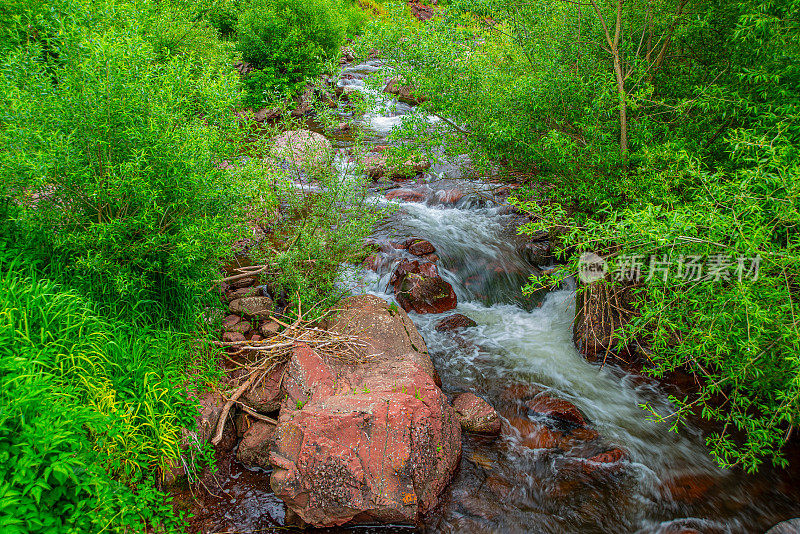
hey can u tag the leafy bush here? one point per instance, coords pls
(288, 41)
(112, 159)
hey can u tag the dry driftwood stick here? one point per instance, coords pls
(227, 408)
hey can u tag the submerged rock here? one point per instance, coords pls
(792, 526)
(557, 408)
(476, 415)
(372, 440)
(455, 321)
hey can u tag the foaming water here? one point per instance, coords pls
(667, 483)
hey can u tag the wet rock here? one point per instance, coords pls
(243, 327)
(419, 287)
(792, 526)
(612, 456)
(537, 252)
(372, 441)
(255, 307)
(210, 409)
(689, 488)
(303, 103)
(256, 337)
(557, 408)
(229, 321)
(420, 247)
(233, 337)
(534, 435)
(405, 92)
(266, 396)
(243, 421)
(449, 196)
(455, 321)
(499, 486)
(433, 258)
(269, 329)
(406, 195)
(476, 415)
(421, 11)
(347, 54)
(303, 147)
(242, 282)
(266, 114)
(255, 445)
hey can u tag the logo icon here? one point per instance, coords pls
(591, 267)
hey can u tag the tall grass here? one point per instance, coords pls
(88, 407)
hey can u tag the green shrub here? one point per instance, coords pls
(112, 161)
(288, 41)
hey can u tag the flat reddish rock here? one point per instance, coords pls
(535, 435)
(406, 195)
(242, 327)
(476, 415)
(558, 408)
(233, 337)
(229, 321)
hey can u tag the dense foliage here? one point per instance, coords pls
(288, 42)
(117, 207)
(89, 408)
(646, 129)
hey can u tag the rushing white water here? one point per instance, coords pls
(528, 341)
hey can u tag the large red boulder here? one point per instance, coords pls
(419, 287)
(370, 439)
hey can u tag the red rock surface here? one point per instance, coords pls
(476, 415)
(406, 195)
(369, 441)
(450, 196)
(254, 448)
(266, 396)
(419, 287)
(558, 408)
(420, 247)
